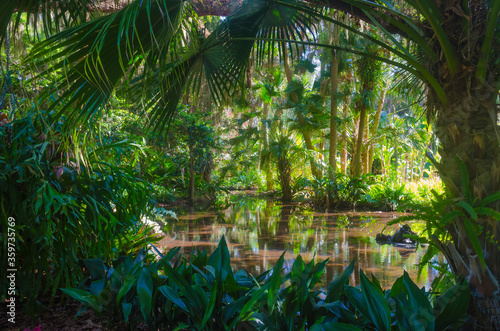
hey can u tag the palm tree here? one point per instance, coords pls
(452, 46)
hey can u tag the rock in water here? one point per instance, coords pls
(399, 237)
(383, 239)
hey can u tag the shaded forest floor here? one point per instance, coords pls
(56, 318)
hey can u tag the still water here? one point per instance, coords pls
(258, 231)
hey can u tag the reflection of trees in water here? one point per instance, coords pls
(262, 230)
(284, 221)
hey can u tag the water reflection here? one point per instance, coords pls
(259, 231)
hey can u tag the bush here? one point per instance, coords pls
(64, 208)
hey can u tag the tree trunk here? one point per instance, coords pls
(364, 152)
(334, 81)
(305, 134)
(467, 129)
(267, 167)
(356, 161)
(343, 152)
(374, 129)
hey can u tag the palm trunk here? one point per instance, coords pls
(334, 81)
(305, 134)
(343, 152)
(356, 162)
(364, 153)
(267, 167)
(374, 128)
(332, 156)
(467, 128)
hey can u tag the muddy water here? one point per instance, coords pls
(259, 231)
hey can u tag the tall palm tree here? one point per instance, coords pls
(452, 46)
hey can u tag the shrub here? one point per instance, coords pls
(63, 209)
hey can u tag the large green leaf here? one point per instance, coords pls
(129, 282)
(336, 286)
(96, 268)
(171, 295)
(83, 297)
(377, 306)
(145, 293)
(275, 283)
(422, 317)
(357, 300)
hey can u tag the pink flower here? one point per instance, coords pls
(35, 329)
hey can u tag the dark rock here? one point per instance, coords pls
(398, 239)
(383, 239)
(399, 236)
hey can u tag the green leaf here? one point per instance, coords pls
(469, 209)
(491, 32)
(403, 314)
(489, 199)
(275, 283)
(83, 297)
(185, 287)
(171, 295)
(96, 268)
(317, 272)
(126, 309)
(449, 217)
(451, 306)
(398, 287)
(431, 12)
(337, 285)
(469, 228)
(339, 310)
(422, 310)
(211, 305)
(357, 300)
(128, 284)
(97, 286)
(145, 293)
(220, 260)
(378, 308)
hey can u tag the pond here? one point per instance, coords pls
(258, 231)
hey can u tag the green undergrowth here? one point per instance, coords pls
(169, 292)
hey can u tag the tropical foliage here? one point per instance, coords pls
(348, 81)
(204, 293)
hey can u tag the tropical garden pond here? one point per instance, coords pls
(258, 231)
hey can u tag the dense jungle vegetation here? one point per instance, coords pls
(110, 111)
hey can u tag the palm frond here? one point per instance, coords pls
(97, 55)
(45, 16)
